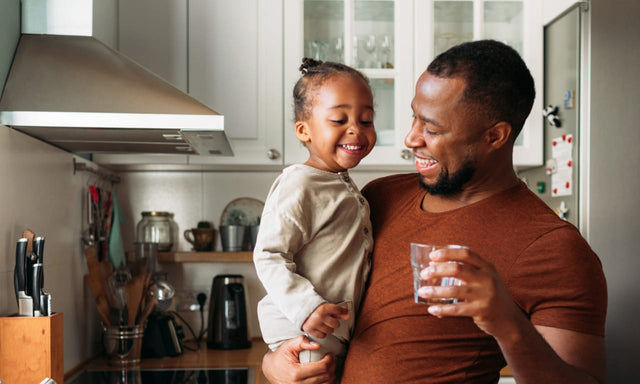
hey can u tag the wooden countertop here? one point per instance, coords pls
(202, 358)
(212, 358)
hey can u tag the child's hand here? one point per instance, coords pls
(324, 319)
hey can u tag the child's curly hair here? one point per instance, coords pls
(314, 73)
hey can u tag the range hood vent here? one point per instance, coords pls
(80, 95)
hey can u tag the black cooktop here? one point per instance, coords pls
(155, 376)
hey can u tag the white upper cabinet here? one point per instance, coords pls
(235, 68)
(154, 34)
(517, 23)
(373, 36)
(225, 54)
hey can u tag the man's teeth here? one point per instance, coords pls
(425, 162)
(351, 147)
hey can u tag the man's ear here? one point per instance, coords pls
(498, 135)
(302, 131)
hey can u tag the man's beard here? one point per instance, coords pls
(447, 185)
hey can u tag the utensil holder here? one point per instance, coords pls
(123, 344)
(31, 349)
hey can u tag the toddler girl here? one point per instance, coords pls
(313, 250)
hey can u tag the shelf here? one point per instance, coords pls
(206, 257)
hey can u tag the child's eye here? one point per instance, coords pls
(338, 121)
(366, 122)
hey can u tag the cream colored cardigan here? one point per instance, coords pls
(314, 246)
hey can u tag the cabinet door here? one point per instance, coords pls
(373, 36)
(235, 68)
(517, 23)
(154, 34)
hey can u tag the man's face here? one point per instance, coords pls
(443, 135)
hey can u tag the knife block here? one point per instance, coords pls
(31, 349)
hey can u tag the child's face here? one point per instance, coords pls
(339, 131)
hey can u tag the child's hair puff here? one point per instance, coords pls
(314, 73)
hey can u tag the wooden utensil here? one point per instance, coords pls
(151, 304)
(145, 290)
(134, 289)
(29, 235)
(103, 309)
(94, 285)
(95, 278)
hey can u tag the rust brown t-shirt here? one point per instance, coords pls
(549, 269)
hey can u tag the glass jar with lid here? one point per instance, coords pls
(156, 227)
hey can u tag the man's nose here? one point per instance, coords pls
(414, 138)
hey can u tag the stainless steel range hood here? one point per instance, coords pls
(80, 95)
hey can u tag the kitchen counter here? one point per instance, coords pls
(203, 358)
(212, 359)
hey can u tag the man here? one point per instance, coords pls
(533, 293)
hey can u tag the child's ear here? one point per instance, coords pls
(302, 131)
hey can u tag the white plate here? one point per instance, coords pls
(242, 211)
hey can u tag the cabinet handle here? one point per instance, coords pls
(406, 154)
(273, 154)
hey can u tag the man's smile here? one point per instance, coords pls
(424, 164)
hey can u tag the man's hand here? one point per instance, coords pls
(482, 295)
(568, 357)
(283, 367)
(324, 320)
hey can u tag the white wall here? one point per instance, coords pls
(40, 192)
(614, 183)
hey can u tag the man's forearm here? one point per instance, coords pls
(547, 358)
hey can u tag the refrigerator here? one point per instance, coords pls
(557, 181)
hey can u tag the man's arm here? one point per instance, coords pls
(535, 354)
(551, 355)
(283, 367)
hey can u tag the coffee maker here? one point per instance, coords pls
(227, 327)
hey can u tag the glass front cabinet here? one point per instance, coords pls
(392, 42)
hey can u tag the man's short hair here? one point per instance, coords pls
(499, 86)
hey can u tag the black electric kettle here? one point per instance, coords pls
(227, 327)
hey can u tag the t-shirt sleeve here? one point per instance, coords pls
(558, 281)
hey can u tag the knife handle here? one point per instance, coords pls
(21, 253)
(29, 261)
(19, 270)
(38, 249)
(37, 271)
